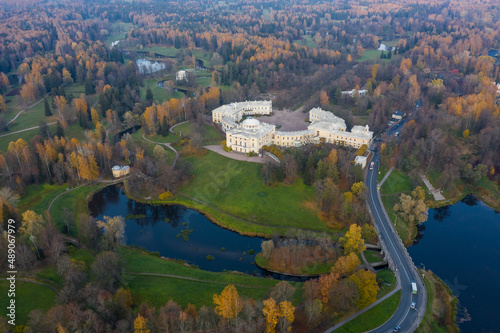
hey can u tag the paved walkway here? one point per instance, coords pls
(435, 192)
(238, 156)
(385, 177)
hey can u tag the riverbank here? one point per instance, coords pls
(441, 306)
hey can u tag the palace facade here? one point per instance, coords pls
(251, 134)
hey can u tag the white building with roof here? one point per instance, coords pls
(360, 160)
(236, 111)
(251, 134)
(119, 171)
(353, 92)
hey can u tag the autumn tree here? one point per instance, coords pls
(113, 231)
(228, 304)
(287, 316)
(367, 286)
(346, 265)
(313, 310)
(352, 241)
(271, 312)
(3, 106)
(412, 209)
(326, 283)
(32, 224)
(140, 325)
(324, 99)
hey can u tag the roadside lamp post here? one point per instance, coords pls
(423, 272)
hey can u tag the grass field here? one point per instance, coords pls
(397, 182)
(37, 197)
(119, 30)
(29, 296)
(210, 133)
(236, 187)
(372, 256)
(75, 201)
(158, 290)
(389, 281)
(159, 94)
(372, 55)
(148, 146)
(306, 41)
(373, 317)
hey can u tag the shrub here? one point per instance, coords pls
(165, 195)
(210, 258)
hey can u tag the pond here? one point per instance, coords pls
(148, 67)
(178, 232)
(459, 244)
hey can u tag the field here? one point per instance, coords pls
(159, 94)
(397, 182)
(119, 31)
(372, 55)
(233, 188)
(29, 296)
(373, 317)
(157, 290)
(210, 133)
(306, 41)
(149, 146)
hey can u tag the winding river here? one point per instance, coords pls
(459, 244)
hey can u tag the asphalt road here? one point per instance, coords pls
(408, 319)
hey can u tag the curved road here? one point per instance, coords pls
(405, 317)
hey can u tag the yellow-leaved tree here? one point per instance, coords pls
(140, 325)
(367, 287)
(287, 314)
(353, 242)
(346, 265)
(228, 304)
(271, 312)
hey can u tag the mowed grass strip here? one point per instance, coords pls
(159, 94)
(29, 296)
(236, 187)
(137, 261)
(372, 318)
(37, 197)
(397, 182)
(156, 291)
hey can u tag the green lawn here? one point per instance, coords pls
(372, 318)
(29, 296)
(372, 256)
(204, 81)
(75, 201)
(119, 30)
(236, 187)
(306, 41)
(37, 197)
(159, 94)
(210, 133)
(31, 117)
(165, 51)
(389, 281)
(149, 147)
(158, 290)
(397, 182)
(372, 55)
